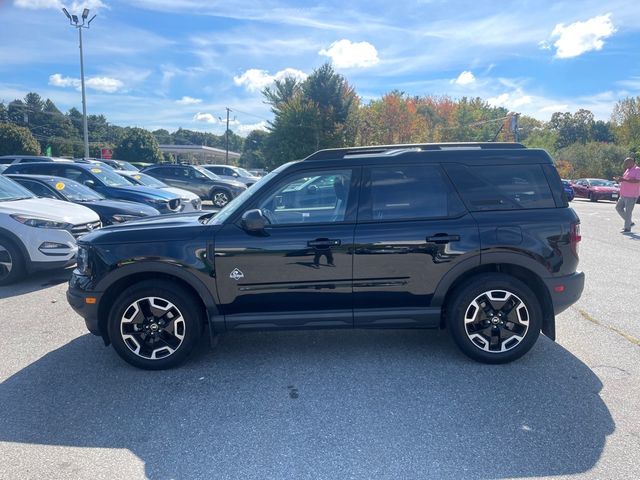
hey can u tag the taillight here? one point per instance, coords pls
(575, 237)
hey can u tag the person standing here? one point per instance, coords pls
(629, 192)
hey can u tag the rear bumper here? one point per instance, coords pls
(565, 291)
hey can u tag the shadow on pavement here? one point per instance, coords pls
(322, 404)
(36, 281)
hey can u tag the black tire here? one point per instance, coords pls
(187, 306)
(512, 328)
(592, 198)
(12, 262)
(220, 197)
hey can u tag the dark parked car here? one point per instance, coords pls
(104, 181)
(199, 181)
(348, 238)
(12, 159)
(596, 189)
(190, 200)
(568, 189)
(110, 211)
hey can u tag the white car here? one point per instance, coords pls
(37, 233)
(190, 201)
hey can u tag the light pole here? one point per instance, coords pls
(75, 22)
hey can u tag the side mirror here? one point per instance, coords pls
(235, 174)
(89, 183)
(254, 221)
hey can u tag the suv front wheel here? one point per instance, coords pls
(494, 318)
(220, 198)
(155, 325)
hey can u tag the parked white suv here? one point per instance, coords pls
(37, 233)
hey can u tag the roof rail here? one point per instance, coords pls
(373, 149)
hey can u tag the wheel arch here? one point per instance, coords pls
(530, 276)
(15, 240)
(126, 277)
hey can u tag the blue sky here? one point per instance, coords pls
(179, 63)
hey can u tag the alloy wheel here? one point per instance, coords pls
(496, 321)
(220, 199)
(152, 328)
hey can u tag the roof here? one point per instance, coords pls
(198, 150)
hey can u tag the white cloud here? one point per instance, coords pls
(186, 100)
(255, 79)
(102, 84)
(57, 4)
(558, 107)
(347, 54)
(244, 129)
(204, 118)
(580, 37)
(465, 78)
(510, 100)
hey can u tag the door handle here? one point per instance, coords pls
(443, 238)
(324, 242)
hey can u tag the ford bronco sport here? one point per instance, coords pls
(477, 238)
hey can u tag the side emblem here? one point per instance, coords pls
(236, 274)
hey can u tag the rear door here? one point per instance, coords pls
(412, 229)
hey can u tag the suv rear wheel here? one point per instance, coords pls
(155, 325)
(11, 262)
(494, 318)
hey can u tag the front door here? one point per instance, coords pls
(298, 272)
(412, 229)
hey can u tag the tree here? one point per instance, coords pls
(138, 145)
(626, 122)
(572, 128)
(253, 151)
(593, 159)
(15, 140)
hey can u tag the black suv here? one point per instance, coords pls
(198, 180)
(477, 238)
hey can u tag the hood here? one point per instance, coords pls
(146, 192)
(184, 194)
(49, 209)
(165, 228)
(121, 207)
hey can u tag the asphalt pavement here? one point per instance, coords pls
(331, 404)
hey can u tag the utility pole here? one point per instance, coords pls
(75, 22)
(226, 139)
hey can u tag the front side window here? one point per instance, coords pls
(309, 197)
(410, 192)
(38, 189)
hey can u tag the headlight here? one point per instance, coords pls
(123, 218)
(39, 222)
(157, 201)
(82, 262)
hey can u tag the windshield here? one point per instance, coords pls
(74, 191)
(146, 180)
(244, 172)
(122, 165)
(241, 199)
(109, 177)
(600, 183)
(207, 173)
(10, 190)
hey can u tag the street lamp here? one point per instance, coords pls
(74, 21)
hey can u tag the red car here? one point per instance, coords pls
(596, 189)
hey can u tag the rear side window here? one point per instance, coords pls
(502, 187)
(409, 192)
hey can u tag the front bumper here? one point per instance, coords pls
(565, 291)
(77, 298)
